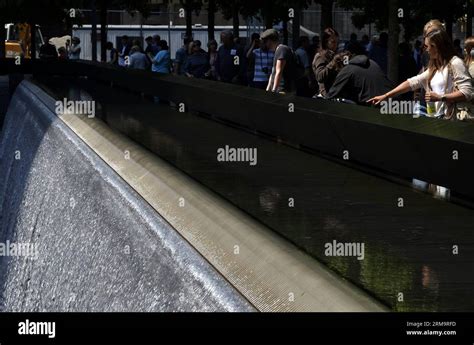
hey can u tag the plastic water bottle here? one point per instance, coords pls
(431, 109)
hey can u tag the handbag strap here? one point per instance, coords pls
(451, 73)
(451, 108)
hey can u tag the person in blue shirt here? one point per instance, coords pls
(181, 56)
(162, 61)
(379, 52)
(230, 64)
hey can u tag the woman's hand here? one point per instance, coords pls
(377, 100)
(432, 97)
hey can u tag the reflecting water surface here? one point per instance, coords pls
(418, 249)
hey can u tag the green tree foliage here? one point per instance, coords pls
(415, 13)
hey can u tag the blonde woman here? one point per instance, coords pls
(446, 81)
(432, 25)
(469, 58)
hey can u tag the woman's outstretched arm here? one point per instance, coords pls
(399, 90)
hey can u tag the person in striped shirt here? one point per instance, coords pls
(262, 60)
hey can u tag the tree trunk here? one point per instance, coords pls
(3, 34)
(285, 32)
(394, 30)
(236, 20)
(296, 26)
(449, 27)
(103, 31)
(326, 14)
(33, 40)
(469, 19)
(268, 14)
(211, 20)
(94, 30)
(189, 19)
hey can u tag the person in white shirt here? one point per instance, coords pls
(445, 71)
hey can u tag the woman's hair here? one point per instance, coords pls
(445, 49)
(433, 25)
(468, 47)
(338, 62)
(213, 43)
(163, 45)
(328, 34)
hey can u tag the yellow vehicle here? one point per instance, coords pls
(18, 42)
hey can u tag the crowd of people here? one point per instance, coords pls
(437, 72)
(72, 50)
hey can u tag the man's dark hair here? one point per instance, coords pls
(404, 48)
(255, 36)
(383, 39)
(125, 37)
(229, 34)
(149, 38)
(187, 40)
(355, 49)
(302, 40)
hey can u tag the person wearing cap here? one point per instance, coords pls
(229, 65)
(281, 79)
(260, 65)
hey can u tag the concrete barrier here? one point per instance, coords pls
(93, 243)
(399, 145)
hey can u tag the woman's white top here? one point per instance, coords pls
(443, 82)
